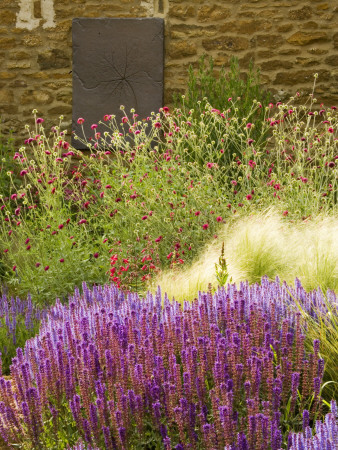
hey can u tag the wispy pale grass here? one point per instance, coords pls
(264, 244)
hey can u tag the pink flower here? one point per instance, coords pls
(6, 250)
(157, 125)
(118, 200)
(124, 119)
(219, 219)
(249, 125)
(27, 240)
(61, 260)
(285, 213)
(159, 239)
(37, 264)
(250, 141)
(82, 221)
(105, 240)
(96, 255)
(249, 197)
(330, 130)
(39, 120)
(108, 186)
(205, 226)
(101, 194)
(197, 213)
(28, 247)
(106, 117)
(252, 163)
(60, 226)
(170, 255)
(234, 182)
(46, 268)
(80, 120)
(14, 196)
(23, 172)
(144, 217)
(210, 165)
(145, 267)
(14, 268)
(94, 126)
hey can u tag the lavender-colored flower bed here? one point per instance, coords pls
(120, 372)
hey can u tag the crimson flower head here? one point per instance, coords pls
(144, 217)
(94, 126)
(210, 165)
(197, 213)
(219, 219)
(249, 125)
(159, 239)
(157, 125)
(37, 264)
(62, 260)
(82, 221)
(285, 213)
(96, 255)
(249, 197)
(60, 226)
(39, 120)
(46, 268)
(205, 226)
(80, 120)
(14, 267)
(108, 186)
(124, 119)
(23, 172)
(330, 130)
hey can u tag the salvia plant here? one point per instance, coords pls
(113, 371)
(19, 320)
(326, 437)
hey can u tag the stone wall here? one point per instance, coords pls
(289, 40)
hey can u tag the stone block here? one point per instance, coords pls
(181, 49)
(54, 59)
(230, 43)
(303, 38)
(300, 14)
(209, 13)
(116, 62)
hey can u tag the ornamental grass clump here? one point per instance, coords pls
(119, 372)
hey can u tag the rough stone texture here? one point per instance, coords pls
(289, 40)
(112, 66)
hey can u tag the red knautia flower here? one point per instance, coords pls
(157, 125)
(106, 117)
(39, 120)
(219, 219)
(159, 239)
(27, 240)
(205, 226)
(37, 264)
(6, 250)
(144, 217)
(170, 255)
(210, 165)
(67, 221)
(252, 163)
(53, 190)
(93, 126)
(61, 260)
(250, 141)
(14, 268)
(330, 130)
(118, 200)
(14, 196)
(331, 164)
(17, 211)
(249, 197)
(108, 186)
(234, 182)
(124, 119)
(197, 213)
(46, 268)
(105, 240)
(96, 255)
(101, 194)
(249, 125)
(82, 221)
(80, 120)
(145, 267)
(23, 172)
(285, 213)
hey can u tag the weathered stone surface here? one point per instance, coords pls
(300, 14)
(212, 12)
(310, 26)
(332, 60)
(245, 26)
(303, 38)
(32, 40)
(18, 64)
(276, 65)
(61, 109)
(302, 76)
(268, 40)
(180, 49)
(285, 27)
(54, 59)
(182, 12)
(112, 66)
(226, 43)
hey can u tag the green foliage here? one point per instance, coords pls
(222, 274)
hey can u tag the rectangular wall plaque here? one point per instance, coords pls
(115, 62)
